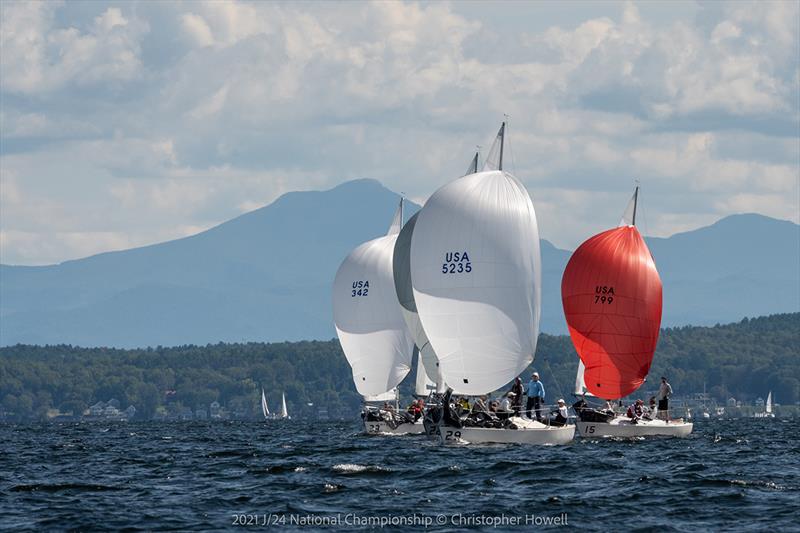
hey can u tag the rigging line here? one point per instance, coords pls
(510, 150)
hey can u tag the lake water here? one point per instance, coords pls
(729, 475)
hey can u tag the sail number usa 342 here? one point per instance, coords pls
(456, 263)
(360, 288)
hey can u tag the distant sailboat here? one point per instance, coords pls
(767, 408)
(612, 298)
(284, 411)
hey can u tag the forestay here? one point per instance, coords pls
(476, 276)
(368, 318)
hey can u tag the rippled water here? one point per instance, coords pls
(736, 474)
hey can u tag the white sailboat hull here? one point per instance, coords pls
(383, 428)
(623, 428)
(528, 432)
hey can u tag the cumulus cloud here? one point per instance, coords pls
(145, 119)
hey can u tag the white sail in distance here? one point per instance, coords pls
(768, 406)
(264, 406)
(368, 318)
(476, 277)
(284, 411)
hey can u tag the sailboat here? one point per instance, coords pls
(612, 298)
(767, 408)
(265, 407)
(371, 328)
(476, 281)
(284, 412)
(428, 362)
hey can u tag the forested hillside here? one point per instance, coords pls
(744, 360)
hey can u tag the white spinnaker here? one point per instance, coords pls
(388, 396)
(480, 313)
(401, 265)
(369, 322)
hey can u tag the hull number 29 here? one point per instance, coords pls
(456, 263)
(360, 288)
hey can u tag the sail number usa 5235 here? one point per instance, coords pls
(360, 288)
(456, 263)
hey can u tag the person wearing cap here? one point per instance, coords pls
(506, 406)
(664, 392)
(535, 396)
(561, 414)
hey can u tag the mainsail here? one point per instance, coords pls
(476, 277)
(611, 292)
(284, 411)
(768, 406)
(369, 321)
(264, 406)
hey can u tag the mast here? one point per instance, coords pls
(502, 135)
(635, 201)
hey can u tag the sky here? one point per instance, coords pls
(129, 123)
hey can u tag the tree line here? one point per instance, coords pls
(744, 360)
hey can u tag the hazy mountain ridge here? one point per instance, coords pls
(266, 276)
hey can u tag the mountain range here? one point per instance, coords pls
(266, 276)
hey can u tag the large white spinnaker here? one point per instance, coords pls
(369, 322)
(476, 276)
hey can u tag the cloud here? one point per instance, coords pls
(147, 118)
(40, 58)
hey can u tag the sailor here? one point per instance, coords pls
(535, 396)
(664, 392)
(415, 410)
(479, 406)
(609, 408)
(463, 403)
(636, 410)
(561, 414)
(506, 406)
(516, 398)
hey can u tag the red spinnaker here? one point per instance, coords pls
(611, 293)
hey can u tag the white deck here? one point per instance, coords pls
(382, 428)
(623, 427)
(528, 432)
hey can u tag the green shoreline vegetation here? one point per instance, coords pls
(743, 360)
